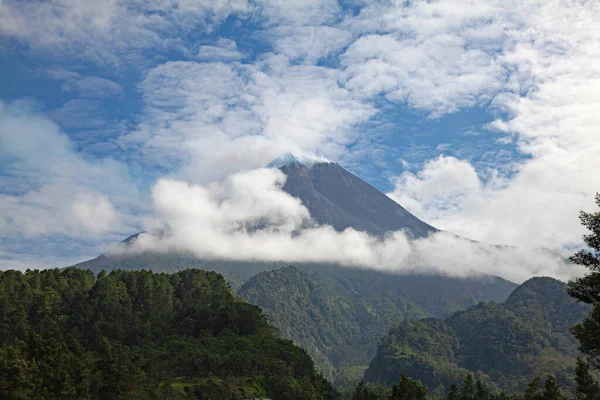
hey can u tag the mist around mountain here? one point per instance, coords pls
(338, 315)
(505, 344)
(332, 195)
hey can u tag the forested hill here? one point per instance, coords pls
(141, 335)
(339, 314)
(506, 344)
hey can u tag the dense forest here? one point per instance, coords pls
(141, 335)
(406, 388)
(336, 308)
(504, 344)
(339, 314)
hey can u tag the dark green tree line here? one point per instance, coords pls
(140, 335)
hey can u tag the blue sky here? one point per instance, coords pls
(479, 117)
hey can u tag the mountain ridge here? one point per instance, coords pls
(506, 344)
(338, 316)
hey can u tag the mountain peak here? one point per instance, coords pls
(288, 159)
(336, 197)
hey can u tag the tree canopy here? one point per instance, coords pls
(142, 335)
(587, 288)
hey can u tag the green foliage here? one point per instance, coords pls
(368, 391)
(454, 393)
(551, 390)
(587, 288)
(140, 335)
(467, 390)
(587, 385)
(533, 391)
(481, 391)
(505, 344)
(408, 389)
(470, 389)
(337, 314)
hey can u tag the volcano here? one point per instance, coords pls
(336, 197)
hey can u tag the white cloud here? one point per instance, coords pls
(222, 50)
(307, 12)
(249, 217)
(50, 189)
(84, 86)
(110, 31)
(440, 185)
(27, 260)
(92, 86)
(438, 57)
(309, 43)
(551, 101)
(94, 212)
(213, 119)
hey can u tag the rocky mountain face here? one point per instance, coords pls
(338, 198)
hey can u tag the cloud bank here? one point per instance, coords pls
(248, 217)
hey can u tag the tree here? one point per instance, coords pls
(454, 393)
(481, 391)
(587, 386)
(533, 391)
(363, 391)
(503, 396)
(551, 391)
(467, 391)
(587, 289)
(408, 389)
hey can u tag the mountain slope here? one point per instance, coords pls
(138, 335)
(338, 315)
(338, 198)
(507, 343)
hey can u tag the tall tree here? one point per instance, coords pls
(467, 390)
(587, 386)
(363, 391)
(408, 389)
(481, 391)
(587, 289)
(533, 391)
(454, 393)
(551, 391)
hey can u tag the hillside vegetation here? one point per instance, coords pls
(141, 335)
(339, 314)
(505, 344)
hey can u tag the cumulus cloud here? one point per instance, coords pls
(212, 119)
(309, 43)
(48, 188)
(442, 182)
(110, 31)
(550, 102)
(249, 217)
(438, 57)
(437, 75)
(308, 12)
